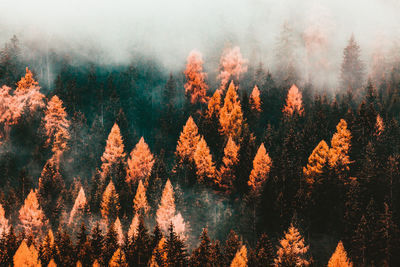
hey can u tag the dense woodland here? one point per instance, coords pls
(134, 165)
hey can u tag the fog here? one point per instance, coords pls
(112, 31)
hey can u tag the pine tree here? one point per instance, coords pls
(113, 154)
(166, 209)
(28, 92)
(56, 125)
(140, 201)
(160, 255)
(339, 257)
(202, 256)
(292, 249)
(4, 227)
(316, 162)
(261, 167)
(119, 231)
(187, 143)
(229, 161)
(340, 146)
(65, 252)
(133, 228)
(47, 248)
(139, 249)
(110, 244)
(96, 242)
(195, 86)
(26, 256)
(205, 168)
(294, 103)
(240, 259)
(31, 216)
(352, 69)
(232, 65)
(231, 116)
(176, 252)
(232, 245)
(263, 254)
(255, 101)
(118, 259)
(110, 203)
(140, 163)
(83, 248)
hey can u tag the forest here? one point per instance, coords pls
(137, 165)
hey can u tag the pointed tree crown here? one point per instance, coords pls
(214, 105)
(166, 209)
(110, 202)
(340, 146)
(316, 162)
(80, 205)
(140, 204)
(293, 102)
(339, 257)
(261, 167)
(114, 151)
(255, 101)
(240, 259)
(195, 85)
(140, 163)
(205, 168)
(231, 116)
(187, 143)
(229, 160)
(232, 65)
(31, 216)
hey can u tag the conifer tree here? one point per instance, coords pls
(240, 259)
(166, 209)
(160, 255)
(110, 244)
(118, 259)
(294, 103)
(52, 263)
(119, 231)
(96, 263)
(205, 168)
(56, 125)
(255, 101)
(202, 255)
(30, 215)
(139, 251)
(133, 228)
(352, 69)
(195, 86)
(339, 257)
(340, 146)
(232, 65)
(110, 203)
(65, 252)
(232, 245)
(83, 248)
(140, 201)
(231, 116)
(229, 161)
(176, 251)
(187, 143)
(4, 227)
(113, 154)
(316, 162)
(263, 254)
(140, 163)
(80, 210)
(47, 248)
(26, 256)
(214, 105)
(292, 249)
(261, 167)
(96, 242)
(28, 92)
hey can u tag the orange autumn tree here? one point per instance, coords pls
(232, 65)
(317, 161)
(231, 116)
(56, 125)
(4, 227)
(293, 102)
(214, 105)
(140, 204)
(195, 85)
(26, 256)
(261, 167)
(31, 216)
(205, 168)
(229, 161)
(340, 146)
(379, 125)
(28, 92)
(110, 203)
(339, 257)
(140, 163)
(187, 143)
(255, 101)
(240, 259)
(113, 153)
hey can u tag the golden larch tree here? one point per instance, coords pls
(292, 249)
(261, 167)
(340, 146)
(133, 228)
(80, 207)
(195, 85)
(240, 259)
(28, 92)
(114, 151)
(229, 162)
(118, 259)
(52, 263)
(205, 168)
(56, 125)
(140, 163)
(159, 256)
(140, 204)
(231, 116)
(187, 143)
(119, 231)
(26, 256)
(317, 161)
(110, 202)
(231, 65)
(339, 257)
(30, 215)
(4, 227)
(214, 105)
(255, 101)
(293, 102)
(166, 208)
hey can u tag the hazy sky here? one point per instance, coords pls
(169, 29)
